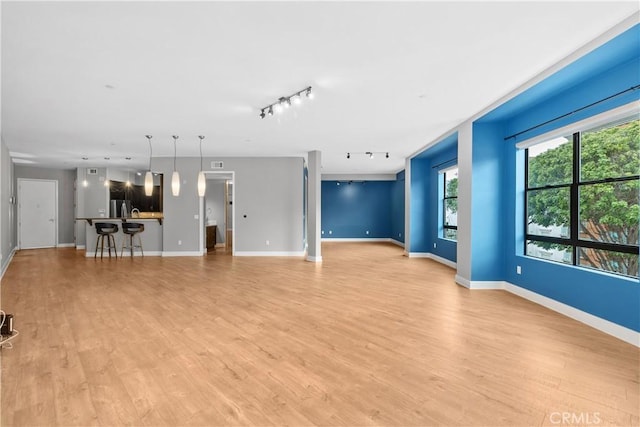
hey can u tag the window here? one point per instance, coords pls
(450, 204)
(582, 198)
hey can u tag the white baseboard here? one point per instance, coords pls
(181, 253)
(434, 257)
(6, 264)
(270, 253)
(417, 254)
(625, 334)
(221, 245)
(477, 284)
(444, 261)
(314, 258)
(355, 239)
(397, 242)
(80, 247)
(66, 245)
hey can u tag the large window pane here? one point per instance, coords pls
(451, 234)
(451, 211)
(609, 212)
(548, 212)
(615, 262)
(451, 183)
(610, 152)
(551, 162)
(550, 251)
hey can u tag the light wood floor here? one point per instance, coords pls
(368, 337)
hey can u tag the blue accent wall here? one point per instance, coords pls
(498, 194)
(397, 207)
(420, 239)
(443, 248)
(426, 199)
(487, 197)
(350, 209)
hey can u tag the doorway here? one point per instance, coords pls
(218, 214)
(37, 213)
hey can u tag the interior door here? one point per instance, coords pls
(37, 213)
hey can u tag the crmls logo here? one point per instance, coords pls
(581, 418)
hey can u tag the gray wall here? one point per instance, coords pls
(214, 206)
(7, 210)
(91, 201)
(268, 191)
(66, 196)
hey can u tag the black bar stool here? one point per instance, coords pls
(106, 229)
(132, 229)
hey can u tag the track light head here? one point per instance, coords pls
(387, 155)
(309, 93)
(271, 110)
(348, 155)
(370, 154)
(297, 99)
(262, 115)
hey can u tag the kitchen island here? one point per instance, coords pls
(151, 236)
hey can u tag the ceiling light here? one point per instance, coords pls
(175, 177)
(370, 154)
(148, 177)
(85, 183)
(202, 181)
(284, 102)
(106, 182)
(85, 158)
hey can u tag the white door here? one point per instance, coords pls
(37, 213)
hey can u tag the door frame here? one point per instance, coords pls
(19, 219)
(233, 212)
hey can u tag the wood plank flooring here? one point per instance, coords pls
(368, 337)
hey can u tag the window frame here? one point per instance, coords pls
(444, 204)
(574, 240)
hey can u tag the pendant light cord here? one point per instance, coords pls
(174, 152)
(201, 138)
(150, 150)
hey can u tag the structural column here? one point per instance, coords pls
(314, 251)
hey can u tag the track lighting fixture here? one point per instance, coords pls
(175, 177)
(284, 102)
(148, 177)
(370, 154)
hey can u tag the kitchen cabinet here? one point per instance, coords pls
(211, 236)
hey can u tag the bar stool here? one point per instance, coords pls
(106, 229)
(132, 229)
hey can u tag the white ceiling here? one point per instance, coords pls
(90, 79)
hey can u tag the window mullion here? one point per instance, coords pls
(574, 205)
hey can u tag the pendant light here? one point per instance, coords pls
(175, 178)
(148, 177)
(202, 181)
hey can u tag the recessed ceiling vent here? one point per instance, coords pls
(217, 165)
(92, 171)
